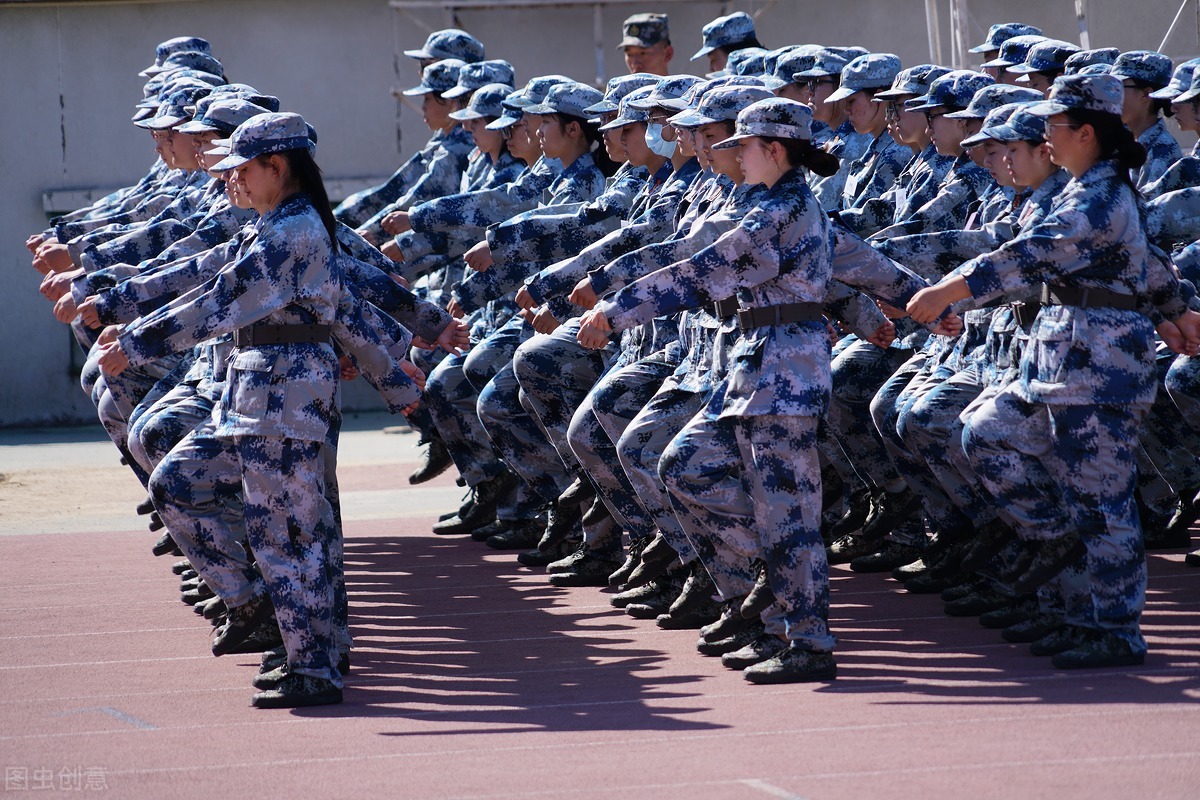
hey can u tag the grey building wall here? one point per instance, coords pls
(70, 82)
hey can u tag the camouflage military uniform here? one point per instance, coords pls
(766, 414)
(1071, 419)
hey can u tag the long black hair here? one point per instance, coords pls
(593, 137)
(1115, 138)
(803, 153)
(306, 172)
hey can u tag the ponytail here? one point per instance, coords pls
(802, 153)
(1116, 140)
(306, 172)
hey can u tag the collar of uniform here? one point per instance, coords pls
(789, 181)
(662, 173)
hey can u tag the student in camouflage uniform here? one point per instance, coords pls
(767, 416)
(269, 433)
(1056, 448)
(725, 35)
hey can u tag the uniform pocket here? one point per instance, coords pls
(1052, 346)
(251, 375)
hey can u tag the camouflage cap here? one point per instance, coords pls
(994, 96)
(645, 30)
(821, 64)
(481, 73)
(179, 44)
(567, 98)
(1096, 69)
(776, 117)
(248, 93)
(617, 88)
(1086, 92)
(995, 118)
(189, 59)
(221, 114)
(1086, 58)
(850, 52)
(1001, 32)
(872, 71)
(1049, 55)
(449, 43)
(1181, 80)
(1014, 51)
(175, 110)
(488, 101)
(782, 68)
(671, 87)
(734, 28)
(692, 97)
(441, 76)
(1193, 90)
(1144, 66)
(535, 91)
(627, 112)
(954, 89)
(723, 103)
(737, 58)
(1021, 126)
(912, 81)
(175, 73)
(266, 133)
(510, 114)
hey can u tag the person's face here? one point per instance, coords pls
(162, 146)
(1137, 102)
(1185, 116)
(653, 59)
(1027, 164)
(1040, 82)
(757, 162)
(814, 93)
(717, 60)
(184, 145)
(487, 141)
(633, 142)
(435, 111)
(552, 135)
(522, 143)
(1005, 76)
(945, 132)
(906, 126)
(259, 182)
(992, 158)
(1064, 142)
(864, 114)
(993, 71)
(686, 141)
(723, 161)
(792, 91)
(611, 138)
(203, 142)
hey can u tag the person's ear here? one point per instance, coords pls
(573, 129)
(669, 52)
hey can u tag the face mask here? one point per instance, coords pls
(656, 143)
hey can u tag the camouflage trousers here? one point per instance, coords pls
(283, 514)
(116, 397)
(1169, 444)
(555, 374)
(771, 510)
(598, 424)
(640, 449)
(452, 400)
(1055, 470)
(933, 428)
(857, 372)
(1183, 385)
(161, 423)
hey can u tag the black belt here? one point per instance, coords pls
(254, 335)
(725, 308)
(1025, 313)
(782, 314)
(1054, 295)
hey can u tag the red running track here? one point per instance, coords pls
(473, 678)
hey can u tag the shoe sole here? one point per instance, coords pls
(767, 678)
(270, 700)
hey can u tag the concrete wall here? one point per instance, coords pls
(70, 85)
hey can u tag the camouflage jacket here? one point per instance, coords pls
(782, 252)
(1091, 238)
(1161, 152)
(917, 185)
(873, 173)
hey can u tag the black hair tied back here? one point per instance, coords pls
(308, 175)
(1115, 138)
(802, 153)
